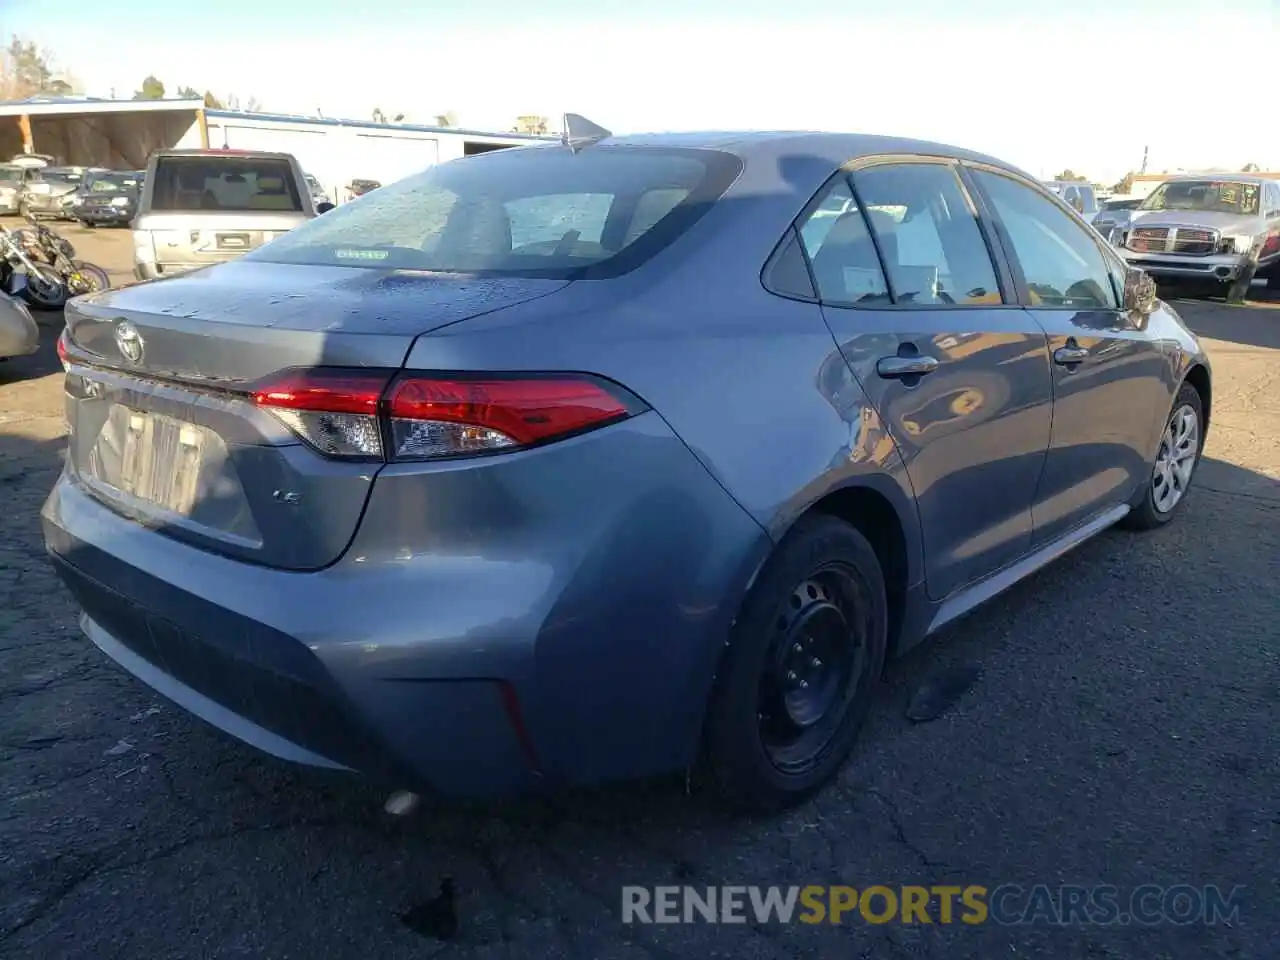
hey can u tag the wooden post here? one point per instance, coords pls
(24, 127)
(1238, 292)
(203, 123)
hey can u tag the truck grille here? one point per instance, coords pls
(1149, 239)
(1187, 241)
(1196, 243)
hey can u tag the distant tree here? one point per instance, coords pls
(1125, 184)
(446, 119)
(1250, 168)
(26, 70)
(152, 89)
(188, 93)
(378, 115)
(253, 105)
(212, 102)
(1069, 174)
(530, 124)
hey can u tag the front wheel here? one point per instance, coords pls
(86, 278)
(1165, 491)
(44, 291)
(804, 656)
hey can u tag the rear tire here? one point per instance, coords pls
(1165, 490)
(804, 656)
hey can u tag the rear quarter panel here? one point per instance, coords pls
(753, 383)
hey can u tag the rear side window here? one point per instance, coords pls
(225, 184)
(538, 211)
(933, 248)
(841, 252)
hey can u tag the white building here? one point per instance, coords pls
(122, 134)
(337, 151)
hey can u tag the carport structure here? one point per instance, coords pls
(89, 132)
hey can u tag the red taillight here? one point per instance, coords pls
(323, 391)
(62, 349)
(348, 413)
(441, 417)
(336, 411)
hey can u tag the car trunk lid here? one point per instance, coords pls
(163, 428)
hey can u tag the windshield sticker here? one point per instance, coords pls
(361, 254)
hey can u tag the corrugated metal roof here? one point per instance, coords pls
(46, 106)
(373, 125)
(53, 106)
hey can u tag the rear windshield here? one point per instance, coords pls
(235, 184)
(537, 211)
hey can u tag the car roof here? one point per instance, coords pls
(214, 153)
(839, 148)
(1219, 178)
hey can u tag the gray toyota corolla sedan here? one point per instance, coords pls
(601, 459)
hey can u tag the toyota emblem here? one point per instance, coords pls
(129, 340)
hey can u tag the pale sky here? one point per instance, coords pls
(1044, 84)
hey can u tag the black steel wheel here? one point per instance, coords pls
(816, 656)
(797, 677)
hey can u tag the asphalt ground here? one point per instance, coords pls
(1120, 728)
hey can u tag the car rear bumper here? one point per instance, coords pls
(154, 271)
(103, 215)
(580, 648)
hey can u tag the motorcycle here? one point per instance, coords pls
(24, 275)
(57, 253)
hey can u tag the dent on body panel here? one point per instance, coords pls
(864, 450)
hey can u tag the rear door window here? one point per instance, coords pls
(225, 184)
(932, 246)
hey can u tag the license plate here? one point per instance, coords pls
(160, 460)
(233, 241)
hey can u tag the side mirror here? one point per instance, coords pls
(324, 207)
(1140, 294)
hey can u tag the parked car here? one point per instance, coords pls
(49, 190)
(201, 207)
(1206, 228)
(584, 462)
(1079, 196)
(19, 335)
(12, 179)
(106, 198)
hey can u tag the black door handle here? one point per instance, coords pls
(1070, 355)
(898, 368)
